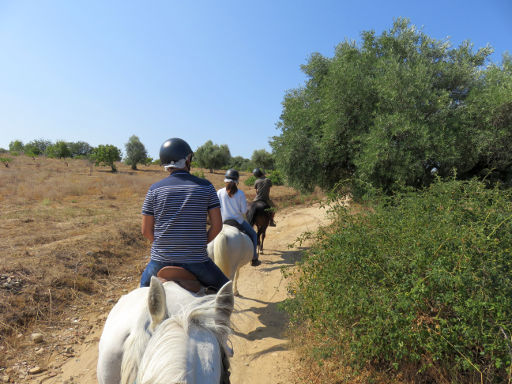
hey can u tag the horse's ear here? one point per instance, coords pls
(225, 301)
(156, 302)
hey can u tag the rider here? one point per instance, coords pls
(174, 217)
(262, 186)
(233, 206)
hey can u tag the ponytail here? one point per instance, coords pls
(231, 188)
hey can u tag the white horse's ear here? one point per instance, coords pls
(156, 302)
(225, 301)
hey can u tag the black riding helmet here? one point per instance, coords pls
(258, 172)
(174, 150)
(232, 175)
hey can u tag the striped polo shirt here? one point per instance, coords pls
(180, 205)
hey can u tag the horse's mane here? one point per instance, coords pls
(172, 334)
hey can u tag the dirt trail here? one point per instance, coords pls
(261, 348)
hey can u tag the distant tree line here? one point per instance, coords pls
(209, 155)
(213, 156)
(396, 110)
(60, 149)
(101, 155)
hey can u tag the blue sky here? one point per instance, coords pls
(101, 71)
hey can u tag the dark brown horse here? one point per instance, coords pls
(259, 214)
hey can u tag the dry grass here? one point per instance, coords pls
(71, 241)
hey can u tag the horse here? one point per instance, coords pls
(166, 334)
(259, 214)
(231, 250)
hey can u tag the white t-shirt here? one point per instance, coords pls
(233, 207)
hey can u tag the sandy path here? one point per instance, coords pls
(261, 348)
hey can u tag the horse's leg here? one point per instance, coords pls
(260, 249)
(235, 285)
(262, 239)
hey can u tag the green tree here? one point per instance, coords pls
(37, 147)
(212, 156)
(135, 152)
(240, 163)
(382, 113)
(106, 155)
(490, 117)
(80, 149)
(262, 159)
(58, 150)
(16, 146)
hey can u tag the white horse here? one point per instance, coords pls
(165, 334)
(231, 250)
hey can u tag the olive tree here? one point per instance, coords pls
(212, 156)
(262, 159)
(135, 152)
(16, 146)
(381, 114)
(58, 150)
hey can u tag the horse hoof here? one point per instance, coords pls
(255, 263)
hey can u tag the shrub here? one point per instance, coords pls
(276, 177)
(420, 280)
(250, 181)
(199, 174)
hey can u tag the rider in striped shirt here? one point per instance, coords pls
(174, 217)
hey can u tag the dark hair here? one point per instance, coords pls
(231, 188)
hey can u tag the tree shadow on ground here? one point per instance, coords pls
(288, 258)
(274, 322)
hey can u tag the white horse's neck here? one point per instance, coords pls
(170, 340)
(181, 353)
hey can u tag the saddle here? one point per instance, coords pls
(234, 223)
(180, 276)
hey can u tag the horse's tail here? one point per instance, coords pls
(221, 257)
(256, 209)
(251, 217)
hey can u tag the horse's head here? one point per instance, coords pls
(185, 342)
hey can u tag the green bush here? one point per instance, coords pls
(5, 160)
(420, 280)
(250, 181)
(199, 174)
(276, 177)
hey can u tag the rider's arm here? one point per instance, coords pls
(215, 223)
(148, 227)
